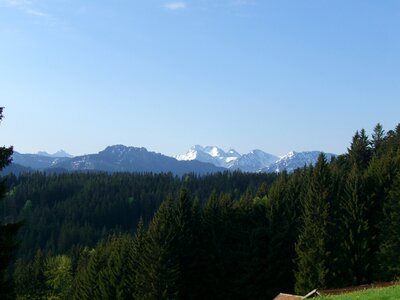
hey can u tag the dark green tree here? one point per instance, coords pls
(377, 138)
(159, 262)
(311, 247)
(388, 256)
(360, 151)
(135, 274)
(283, 214)
(29, 277)
(8, 231)
(354, 252)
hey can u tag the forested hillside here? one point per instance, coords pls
(222, 236)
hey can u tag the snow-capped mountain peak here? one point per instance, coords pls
(210, 154)
(231, 159)
(294, 160)
(289, 155)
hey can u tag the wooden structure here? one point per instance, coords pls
(283, 296)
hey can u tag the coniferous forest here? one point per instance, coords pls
(227, 235)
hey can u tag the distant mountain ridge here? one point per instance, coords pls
(60, 153)
(254, 161)
(198, 159)
(117, 158)
(120, 158)
(250, 162)
(294, 160)
(36, 161)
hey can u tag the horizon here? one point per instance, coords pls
(167, 75)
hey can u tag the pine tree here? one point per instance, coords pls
(354, 250)
(218, 228)
(283, 222)
(360, 151)
(113, 277)
(389, 251)
(135, 274)
(87, 281)
(377, 138)
(185, 244)
(159, 263)
(58, 274)
(8, 231)
(311, 246)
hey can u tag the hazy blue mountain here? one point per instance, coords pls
(254, 161)
(60, 153)
(119, 158)
(36, 161)
(15, 169)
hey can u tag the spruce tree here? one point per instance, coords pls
(311, 247)
(354, 251)
(159, 278)
(58, 274)
(87, 281)
(8, 231)
(360, 151)
(135, 274)
(283, 214)
(389, 251)
(377, 138)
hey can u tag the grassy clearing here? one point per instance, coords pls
(387, 293)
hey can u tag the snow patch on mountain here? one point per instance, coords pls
(58, 154)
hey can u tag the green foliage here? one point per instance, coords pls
(66, 210)
(29, 277)
(354, 248)
(311, 247)
(8, 230)
(58, 274)
(159, 262)
(389, 251)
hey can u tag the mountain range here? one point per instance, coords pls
(250, 162)
(198, 159)
(254, 161)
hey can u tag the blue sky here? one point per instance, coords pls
(243, 74)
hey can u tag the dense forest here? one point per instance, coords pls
(228, 235)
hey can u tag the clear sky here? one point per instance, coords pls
(279, 75)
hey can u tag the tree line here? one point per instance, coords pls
(222, 236)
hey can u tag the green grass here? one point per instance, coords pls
(392, 292)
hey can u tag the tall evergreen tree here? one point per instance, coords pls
(58, 274)
(29, 277)
(135, 273)
(160, 272)
(354, 251)
(360, 151)
(377, 138)
(389, 252)
(8, 231)
(87, 281)
(284, 210)
(219, 246)
(311, 246)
